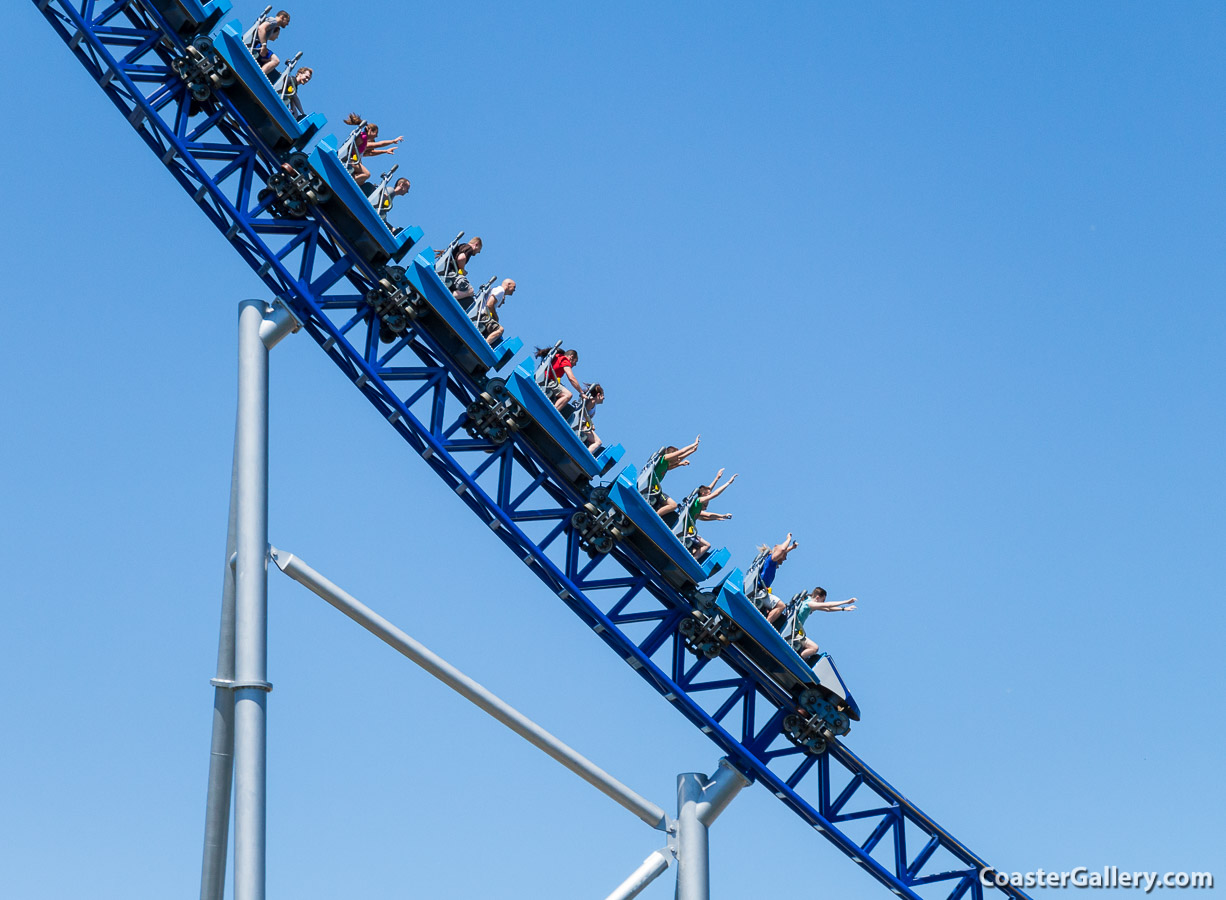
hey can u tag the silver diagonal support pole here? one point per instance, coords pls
(239, 743)
(652, 868)
(470, 690)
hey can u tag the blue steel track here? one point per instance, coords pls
(422, 392)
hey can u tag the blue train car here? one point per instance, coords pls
(551, 434)
(655, 541)
(825, 706)
(189, 17)
(257, 100)
(350, 212)
(450, 324)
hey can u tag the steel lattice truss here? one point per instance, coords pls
(423, 394)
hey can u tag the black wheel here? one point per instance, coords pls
(203, 45)
(498, 435)
(475, 410)
(298, 161)
(688, 626)
(808, 697)
(603, 544)
(496, 388)
(599, 495)
(580, 521)
(791, 723)
(816, 746)
(710, 651)
(734, 633)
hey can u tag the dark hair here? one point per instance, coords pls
(281, 13)
(703, 490)
(574, 356)
(594, 388)
(306, 69)
(398, 180)
(353, 119)
(820, 591)
(670, 449)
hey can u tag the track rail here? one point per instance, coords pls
(221, 162)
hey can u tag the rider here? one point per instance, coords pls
(287, 86)
(560, 365)
(365, 145)
(383, 197)
(759, 589)
(452, 267)
(661, 463)
(794, 631)
(587, 410)
(259, 37)
(487, 319)
(698, 512)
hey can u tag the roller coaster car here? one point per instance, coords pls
(257, 101)
(189, 17)
(824, 705)
(348, 210)
(542, 424)
(448, 322)
(653, 538)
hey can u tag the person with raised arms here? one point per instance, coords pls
(660, 464)
(798, 613)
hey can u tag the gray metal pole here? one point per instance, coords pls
(251, 606)
(652, 868)
(699, 801)
(295, 568)
(693, 863)
(221, 756)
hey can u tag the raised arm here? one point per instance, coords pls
(378, 145)
(780, 551)
(716, 491)
(677, 456)
(832, 605)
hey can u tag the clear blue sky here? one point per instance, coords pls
(943, 282)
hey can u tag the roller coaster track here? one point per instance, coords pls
(422, 392)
